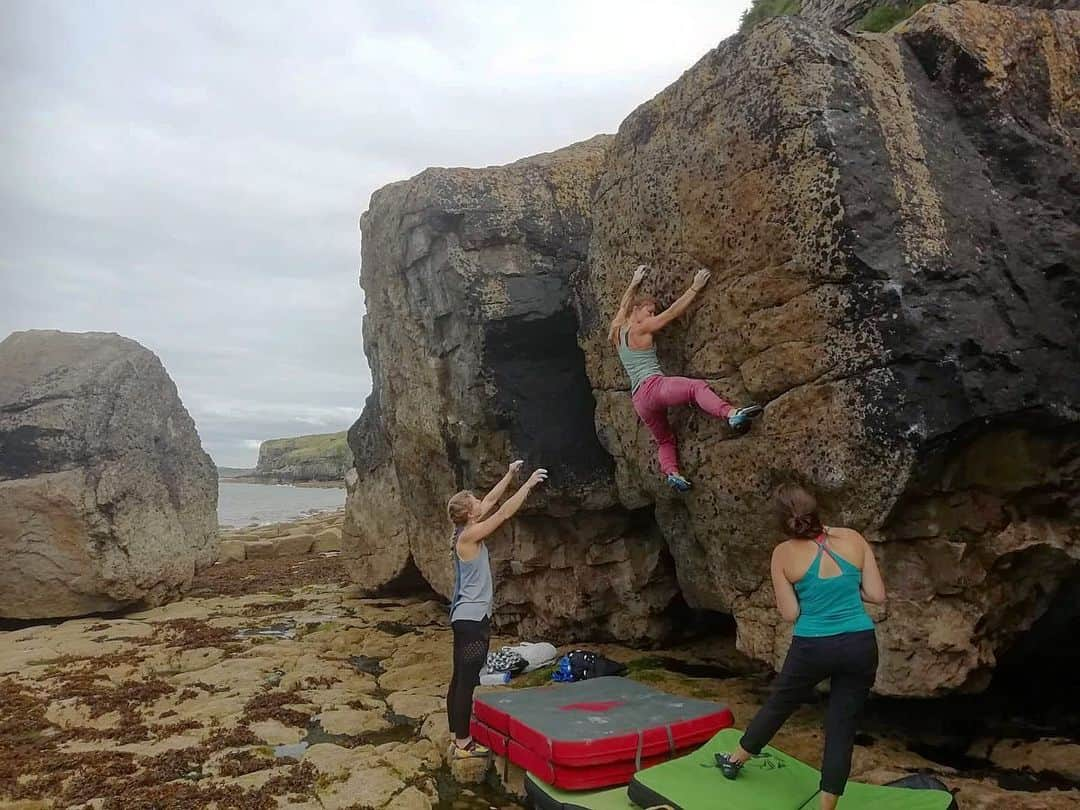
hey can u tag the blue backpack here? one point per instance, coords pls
(562, 673)
(580, 665)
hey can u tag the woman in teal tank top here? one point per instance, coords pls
(821, 578)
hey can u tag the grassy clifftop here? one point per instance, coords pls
(864, 15)
(761, 10)
(319, 457)
(884, 16)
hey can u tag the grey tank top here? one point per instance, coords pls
(473, 588)
(640, 364)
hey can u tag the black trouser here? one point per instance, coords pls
(850, 660)
(470, 653)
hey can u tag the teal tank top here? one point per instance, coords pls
(829, 607)
(640, 364)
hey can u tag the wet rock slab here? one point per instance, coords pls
(188, 705)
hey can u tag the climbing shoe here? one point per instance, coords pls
(473, 749)
(728, 767)
(740, 417)
(678, 483)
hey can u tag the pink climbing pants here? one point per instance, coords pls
(657, 394)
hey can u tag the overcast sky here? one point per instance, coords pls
(190, 175)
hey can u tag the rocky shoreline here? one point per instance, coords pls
(318, 534)
(273, 684)
(271, 481)
(889, 223)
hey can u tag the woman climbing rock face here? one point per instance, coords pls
(470, 607)
(821, 577)
(632, 331)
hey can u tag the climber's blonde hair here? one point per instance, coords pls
(459, 507)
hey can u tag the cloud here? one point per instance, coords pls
(191, 175)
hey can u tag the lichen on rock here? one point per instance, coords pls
(107, 498)
(890, 221)
(472, 342)
(872, 285)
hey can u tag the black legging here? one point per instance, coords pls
(850, 660)
(470, 652)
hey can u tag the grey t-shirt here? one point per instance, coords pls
(473, 587)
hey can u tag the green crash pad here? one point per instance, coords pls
(772, 780)
(546, 797)
(858, 796)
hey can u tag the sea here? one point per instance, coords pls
(255, 504)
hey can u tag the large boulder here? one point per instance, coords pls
(106, 496)
(892, 226)
(472, 342)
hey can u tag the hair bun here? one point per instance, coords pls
(796, 510)
(805, 525)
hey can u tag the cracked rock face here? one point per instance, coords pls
(106, 496)
(472, 342)
(891, 224)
